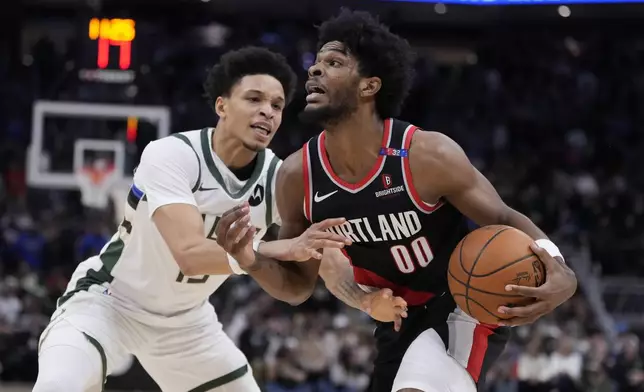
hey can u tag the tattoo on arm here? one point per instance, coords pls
(347, 290)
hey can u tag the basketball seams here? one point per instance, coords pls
(476, 260)
(484, 291)
(511, 263)
(481, 306)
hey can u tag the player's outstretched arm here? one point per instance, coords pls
(441, 169)
(287, 269)
(166, 174)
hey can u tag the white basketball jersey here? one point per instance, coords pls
(137, 265)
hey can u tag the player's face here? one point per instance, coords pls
(333, 85)
(253, 111)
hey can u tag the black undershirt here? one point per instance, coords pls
(244, 173)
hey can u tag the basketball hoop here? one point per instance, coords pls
(95, 181)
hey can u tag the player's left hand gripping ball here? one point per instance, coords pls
(235, 234)
(560, 285)
(308, 245)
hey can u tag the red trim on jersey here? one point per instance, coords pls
(307, 182)
(372, 173)
(422, 205)
(479, 348)
(368, 278)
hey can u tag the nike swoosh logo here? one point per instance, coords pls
(317, 198)
(202, 189)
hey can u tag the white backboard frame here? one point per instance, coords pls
(37, 178)
(82, 145)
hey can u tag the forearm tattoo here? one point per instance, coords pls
(347, 291)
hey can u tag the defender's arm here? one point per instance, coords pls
(289, 281)
(167, 172)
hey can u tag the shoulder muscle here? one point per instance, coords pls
(439, 165)
(289, 194)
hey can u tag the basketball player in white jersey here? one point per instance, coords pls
(146, 293)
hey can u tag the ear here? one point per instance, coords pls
(369, 87)
(220, 107)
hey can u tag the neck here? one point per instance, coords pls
(354, 144)
(230, 149)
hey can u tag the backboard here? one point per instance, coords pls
(65, 134)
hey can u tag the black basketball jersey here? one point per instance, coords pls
(399, 241)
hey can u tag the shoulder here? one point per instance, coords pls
(272, 160)
(292, 169)
(434, 148)
(290, 185)
(168, 156)
(169, 148)
(438, 163)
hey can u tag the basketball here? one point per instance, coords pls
(487, 260)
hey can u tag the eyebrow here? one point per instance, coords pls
(262, 93)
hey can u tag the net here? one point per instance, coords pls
(95, 182)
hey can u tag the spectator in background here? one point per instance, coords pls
(532, 366)
(598, 380)
(29, 244)
(10, 304)
(563, 370)
(628, 369)
(285, 372)
(91, 242)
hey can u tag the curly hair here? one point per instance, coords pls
(379, 53)
(251, 60)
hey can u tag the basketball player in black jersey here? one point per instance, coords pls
(406, 194)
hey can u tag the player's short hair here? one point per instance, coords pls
(251, 60)
(379, 53)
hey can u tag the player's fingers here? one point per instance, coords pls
(314, 254)
(248, 237)
(534, 292)
(517, 321)
(386, 293)
(537, 308)
(236, 208)
(236, 230)
(320, 234)
(245, 239)
(242, 233)
(548, 261)
(397, 323)
(365, 303)
(224, 224)
(234, 213)
(318, 244)
(325, 224)
(398, 301)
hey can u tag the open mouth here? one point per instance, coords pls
(263, 129)
(314, 91)
(314, 88)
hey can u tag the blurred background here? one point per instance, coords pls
(547, 100)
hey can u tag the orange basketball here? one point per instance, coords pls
(487, 260)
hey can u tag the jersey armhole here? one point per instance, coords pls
(270, 189)
(413, 194)
(184, 139)
(308, 183)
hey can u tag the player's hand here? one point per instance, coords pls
(235, 234)
(559, 286)
(381, 305)
(309, 245)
